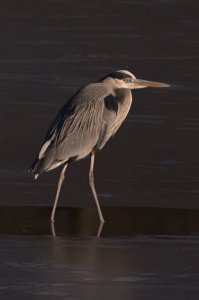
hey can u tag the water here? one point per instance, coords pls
(146, 177)
(92, 268)
(120, 221)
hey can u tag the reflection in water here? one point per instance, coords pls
(117, 268)
(84, 221)
(52, 224)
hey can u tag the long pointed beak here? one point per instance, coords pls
(139, 84)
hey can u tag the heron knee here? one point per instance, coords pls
(62, 176)
(91, 178)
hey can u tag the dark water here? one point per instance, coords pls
(147, 177)
(91, 268)
(84, 221)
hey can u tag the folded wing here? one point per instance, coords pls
(75, 131)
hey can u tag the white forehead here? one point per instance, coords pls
(127, 73)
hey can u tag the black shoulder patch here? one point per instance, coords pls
(111, 103)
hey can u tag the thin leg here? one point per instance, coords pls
(91, 182)
(61, 179)
(52, 225)
(100, 229)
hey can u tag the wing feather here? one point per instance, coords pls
(75, 130)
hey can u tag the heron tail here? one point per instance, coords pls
(35, 168)
(43, 164)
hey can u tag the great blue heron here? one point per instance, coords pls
(85, 123)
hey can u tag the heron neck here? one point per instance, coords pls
(110, 86)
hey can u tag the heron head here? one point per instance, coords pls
(124, 79)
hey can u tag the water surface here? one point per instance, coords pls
(147, 177)
(91, 268)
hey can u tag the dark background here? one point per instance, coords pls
(48, 49)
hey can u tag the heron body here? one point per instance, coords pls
(86, 122)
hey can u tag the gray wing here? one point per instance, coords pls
(115, 111)
(75, 131)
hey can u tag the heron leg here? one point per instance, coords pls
(61, 179)
(92, 185)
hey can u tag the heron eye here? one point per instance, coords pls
(127, 80)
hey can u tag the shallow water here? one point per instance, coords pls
(91, 268)
(144, 253)
(147, 177)
(120, 221)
